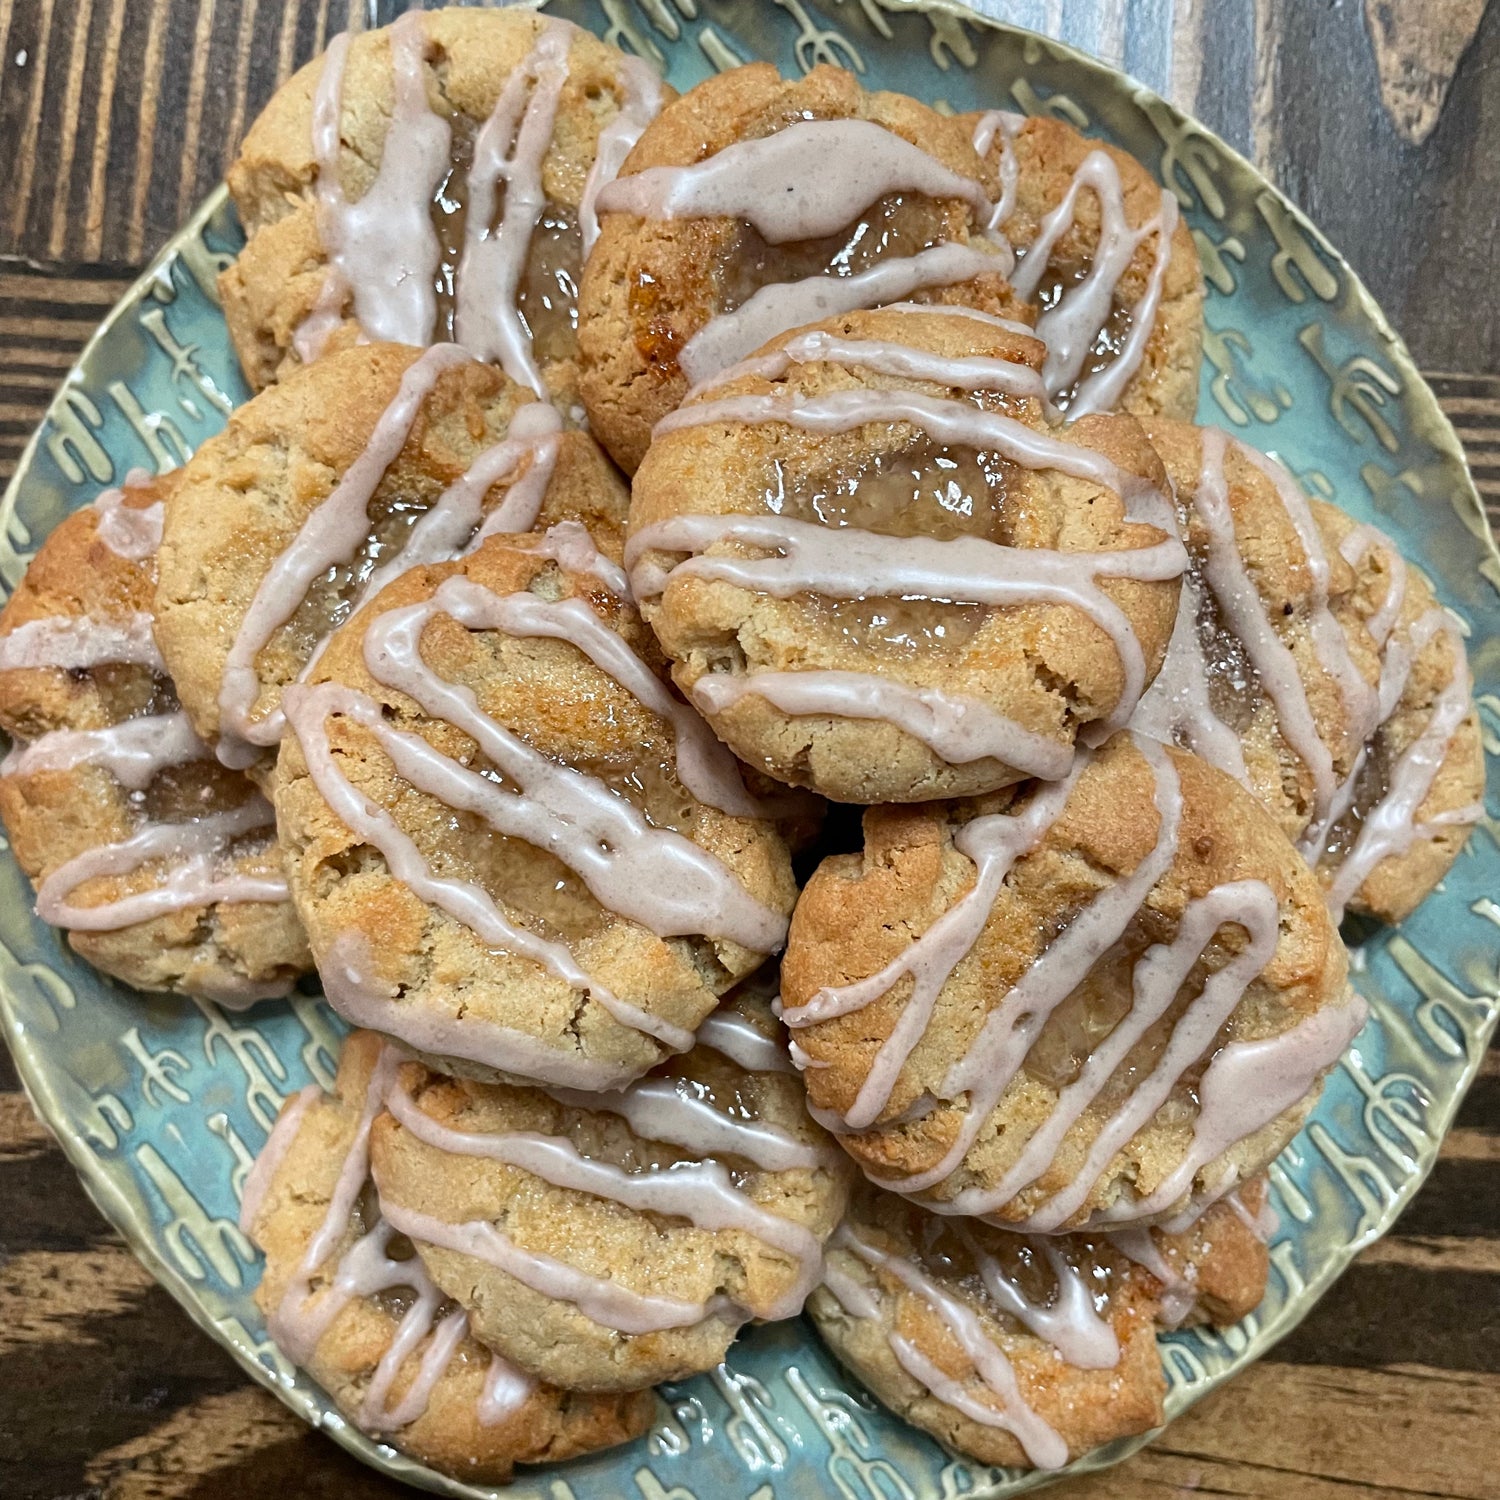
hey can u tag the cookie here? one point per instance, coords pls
(1405, 811)
(754, 205)
(1012, 1350)
(1105, 253)
(882, 574)
(609, 1241)
(512, 846)
(1307, 661)
(160, 864)
(1115, 997)
(432, 180)
(321, 489)
(345, 1297)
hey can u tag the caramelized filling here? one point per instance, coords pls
(547, 297)
(894, 227)
(1110, 341)
(1234, 690)
(1369, 790)
(926, 489)
(899, 628)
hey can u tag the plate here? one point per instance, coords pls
(162, 1104)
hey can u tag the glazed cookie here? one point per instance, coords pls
(322, 489)
(1116, 996)
(754, 205)
(1404, 813)
(609, 1241)
(512, 846)
(1123, 324)
(1309, 665)
(161, 865)
(882, 574)
(1014, 1350)
(346, 1298)
(432, 180)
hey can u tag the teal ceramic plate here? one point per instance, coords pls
(161, 1105)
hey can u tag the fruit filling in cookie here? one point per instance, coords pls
(161, 864)
(780, 510)
(486, 761)
(607, 1241)
(1104, 256)
(433, 180)
(323, 489)
(1114, 997)
(1312, 665)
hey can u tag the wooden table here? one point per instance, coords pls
(1382, 117)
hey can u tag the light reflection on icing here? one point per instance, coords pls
(77, 642)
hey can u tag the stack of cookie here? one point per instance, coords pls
(916, 522)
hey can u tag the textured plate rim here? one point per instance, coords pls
(1433, 425)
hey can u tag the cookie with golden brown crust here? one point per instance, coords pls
(1419, 789)
(450, 1401)
(1271, 624)
(1308, 661)
(883, 574)
(610, 1241)
(1090, 1009)
(160, 863)
(513, 848)
(398, 220)
(1024, 1350)
(659, 293)
(1014, 1351)
(1066, 195)
(326, 483)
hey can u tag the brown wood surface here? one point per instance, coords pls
(1382, 117)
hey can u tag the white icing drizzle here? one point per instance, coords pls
(957, 729)
(1071, 326)
(900, 361)
(265, 1167)
(1389, 828)
(133, 752)
(677, 1111)
(1355, 546)
(604, 1302)
(77, 642)
(699, 1191)
(329, 535)
(570, 546)
(1176, 706)
(301, 1318)
(1008, 1410)
(650, 875)
(1179, 1285)
(381, 248)
(347, 970)
(1246, 1086)
(639, 104)
(1070, 1322)
(129, 531)
(1000, 125)
(959, 310)
(510, 148)
(740, 1040)
(803, 182)
(1225, 572)
(456, 524)
(194, 878)
(772, 310)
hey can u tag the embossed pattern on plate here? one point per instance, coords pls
(161, 1104)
